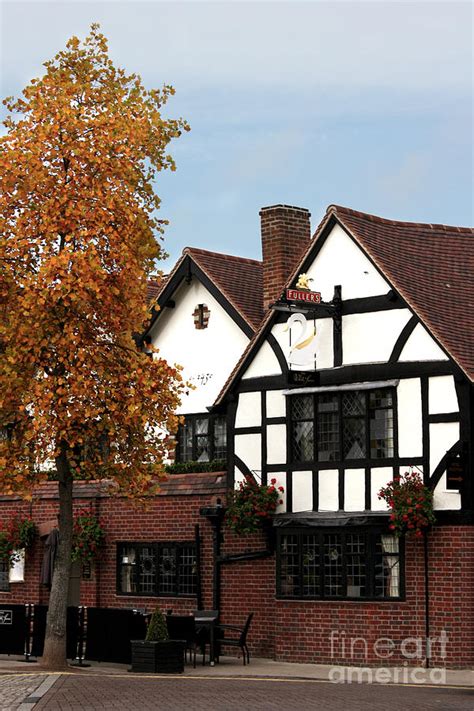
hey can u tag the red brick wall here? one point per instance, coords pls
(286, 630)
(286, 232)
(300, 631)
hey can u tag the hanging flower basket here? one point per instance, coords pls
(18, 534)
(252, 505)
(88, 536)
(411, 504)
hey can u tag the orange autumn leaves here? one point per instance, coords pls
(77, 245)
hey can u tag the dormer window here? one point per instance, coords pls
(201, 316)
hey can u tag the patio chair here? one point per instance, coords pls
(237, 637)
(182, 627)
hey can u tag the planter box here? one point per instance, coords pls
(158, 657)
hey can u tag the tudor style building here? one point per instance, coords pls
(333, 399)
(331, 395)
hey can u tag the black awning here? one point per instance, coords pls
(333, 519)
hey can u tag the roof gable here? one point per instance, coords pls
(235, 282)
(430, 266)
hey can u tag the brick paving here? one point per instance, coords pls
(93, 692)
(15, 688)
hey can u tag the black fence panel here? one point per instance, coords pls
(109, 632)
(72, 631)
(13, 628)
(39, 629)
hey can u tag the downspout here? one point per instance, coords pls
(197, 539)
(215, 516)
(427, 602)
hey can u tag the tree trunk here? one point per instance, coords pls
(54, 655)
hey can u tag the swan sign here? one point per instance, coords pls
(302, 342)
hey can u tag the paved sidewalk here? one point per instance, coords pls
(18, 691)
(232, 667)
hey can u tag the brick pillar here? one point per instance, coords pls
(286, 232)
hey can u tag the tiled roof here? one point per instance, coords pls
(432, 267)
(239, 279)
(201, 484)
(153, 288)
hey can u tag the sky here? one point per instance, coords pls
(362, 104)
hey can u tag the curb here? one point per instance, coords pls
(31, 700)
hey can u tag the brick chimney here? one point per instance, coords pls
(286, 232)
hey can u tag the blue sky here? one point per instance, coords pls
(364, 104)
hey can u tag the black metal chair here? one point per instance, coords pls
(182, 627)
(237, 638)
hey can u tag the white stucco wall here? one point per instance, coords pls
(280, 481)
(442, 396)
(249, 449)
(249, 410)
(371, 337)
(379, 477)
(442, 437)
(207, 355)
(276, 403)
(264, 362)
(341, 262)
(410, 420)
(445, 500)
(276, 444)
(421, 346)
(354, 490)
(329, 490)
(302, 491)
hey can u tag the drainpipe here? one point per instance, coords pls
(427, 602)
(215, 515)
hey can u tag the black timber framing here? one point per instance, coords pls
(362, 305)
(405, 334)
(352, 374)
(263, 441)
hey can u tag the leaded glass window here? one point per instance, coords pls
(153, 569)
(328, 428)
(202, 438)
(303, 427)
(349, 564)
(381, 424)
(289, 566)
(343, 426)
(4, 576)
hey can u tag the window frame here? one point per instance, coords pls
(371, 536)
(158, 546)
(190, 420)
(4, 576)
(368, 459)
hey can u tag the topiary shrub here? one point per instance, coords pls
(157, 630)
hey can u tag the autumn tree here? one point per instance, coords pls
(78, 232)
